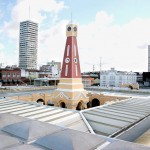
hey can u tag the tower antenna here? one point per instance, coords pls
(71, 11)
(29, 8)
(71, 16)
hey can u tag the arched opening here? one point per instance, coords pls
(50, 103)
(40, 101)
(88, 105)
(131, 87)
(62, 105)
(95, 102)
(13, 82)
(79, 106)
(8, 82)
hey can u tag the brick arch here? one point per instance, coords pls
(80, 105)
(95, 102)
(92, 96)
(40, 100)
(62, 104)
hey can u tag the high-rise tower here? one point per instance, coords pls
(28, 42)
(70, 93)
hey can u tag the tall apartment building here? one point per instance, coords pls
(28, 45)
(148, 58)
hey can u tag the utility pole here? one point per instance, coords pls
(100, 64)
(100, 69)
(93, 68)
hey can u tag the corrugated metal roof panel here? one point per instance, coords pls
(45, 114)
(113, 118)
(11, 110)
(106, 120)
(116, 117)
(113, 113)
(56, 116)
(63, 117)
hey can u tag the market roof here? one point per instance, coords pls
(28, 135)
(43, 135)
(110, 120)
(25, 125)
(54, 115)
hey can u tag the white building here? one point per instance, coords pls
(116, 78)
(53, 68)
(148, 58)
(28, 42)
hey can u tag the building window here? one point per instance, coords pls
(14, 74)
(8, 74)
(104, 77)
(112, 77)
(18, 75)
(4, 74)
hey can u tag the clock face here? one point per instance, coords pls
(75, 29)
(75, 60)
(69, 28)
(67, 60)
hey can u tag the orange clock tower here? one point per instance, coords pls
(70, 92)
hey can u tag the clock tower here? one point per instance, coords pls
(70, 92)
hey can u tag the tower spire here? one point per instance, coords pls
(70, 92)
(71, 64)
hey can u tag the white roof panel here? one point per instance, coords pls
(113, 118)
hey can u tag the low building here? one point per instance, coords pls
(52, 68)
(28, 75)
(92, 76)
(140, 78)
(10, 76)
(46, 81)
(116, 78)
(87, 80)
(146, 79)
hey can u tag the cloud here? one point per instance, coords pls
(119, 46)
(20, 12)
(52, 43)
(1, 53)
(1, 46)
(39, 11)
(34, 8)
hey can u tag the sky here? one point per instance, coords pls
(113, 32)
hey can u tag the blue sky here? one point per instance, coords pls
(117, 31)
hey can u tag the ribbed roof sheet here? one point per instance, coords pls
(111, 119)
(17, 133)
(49, 114)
